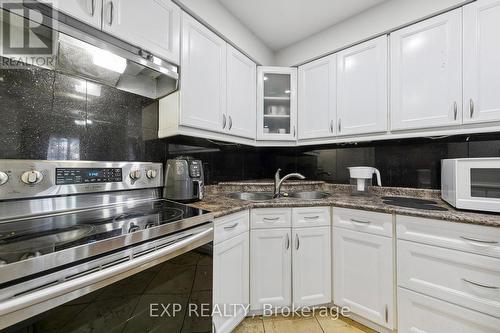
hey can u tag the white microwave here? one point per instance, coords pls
(471, 183)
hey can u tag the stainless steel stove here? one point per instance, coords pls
(69, 228)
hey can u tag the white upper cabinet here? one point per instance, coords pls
(270, 268)
(311, 266)
(241, 94)
(153, 25)
(277, 104)
(203, 83)
(317, 98)
(87, 11)
(482, 61)
(362, 88)
(426, 73)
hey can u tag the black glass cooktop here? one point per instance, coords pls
(35, 237)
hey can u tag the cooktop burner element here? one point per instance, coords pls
(414, 203)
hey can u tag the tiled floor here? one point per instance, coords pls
(312, 324)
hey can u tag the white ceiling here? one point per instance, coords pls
(280, 23)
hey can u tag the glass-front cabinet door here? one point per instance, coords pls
(277, 104)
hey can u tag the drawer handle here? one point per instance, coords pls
(478, 240)
(360, 221)
(311, 217)
(480, 285)
(231, 227)
(271, 219)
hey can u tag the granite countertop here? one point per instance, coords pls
(270, 182)
(218, 202)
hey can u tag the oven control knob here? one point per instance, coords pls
(133, 228)
(4, 178)
(32, 177)
(135, 174)
(151, 174)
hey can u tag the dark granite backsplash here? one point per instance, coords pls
(48, 115)
(402, 163)
(51, 116)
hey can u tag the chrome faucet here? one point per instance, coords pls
(278, 182)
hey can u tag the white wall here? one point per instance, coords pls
(374, 21)
(213, 14)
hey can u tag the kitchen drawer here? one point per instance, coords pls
(310, 217)
(364, 221)
(458, 277)
(418, 313)
(231, 225)
(263, 218)
(460, 236)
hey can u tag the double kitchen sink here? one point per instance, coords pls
(265, 196)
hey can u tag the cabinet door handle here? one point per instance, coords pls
(471, 108)
(360, 221)
(340, 125)
(311, 217)
(224, 121)
(230, 122)
(480, 284)
(455, 110)
(231, 227)
(331, 126)
(297, 239)
(111, 10)
(478, 240)
(271, 218)
(92, 8)
(287, 241)
(294, 131)
(386, 314)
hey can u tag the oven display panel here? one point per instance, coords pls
(71, 176)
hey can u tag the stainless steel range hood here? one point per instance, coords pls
(104, 63)
(89, 53)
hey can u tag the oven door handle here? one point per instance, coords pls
(184, 245)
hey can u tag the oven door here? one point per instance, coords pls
(478, 184)
(164, 288)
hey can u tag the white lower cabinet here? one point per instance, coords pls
(448, 277)
(457, 277)
(311, 266)
(231, 273)
(423, 314)
(363, 274)
(270, 268)
(301, 254)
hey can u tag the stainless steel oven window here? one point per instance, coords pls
(175, 296)
(485, 182)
